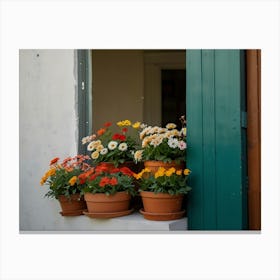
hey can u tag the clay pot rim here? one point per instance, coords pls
(159, 195)
(76, 196)
(167, 163)
(123, 195)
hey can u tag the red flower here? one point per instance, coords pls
(104, 181)
(124, 130)
(93, 177)
(82, 178)
(113, 181)
(126, 171)
(101, 168)
(107, 124)
(122, 137)
(114, 170)
(55, 160)
(116, 136)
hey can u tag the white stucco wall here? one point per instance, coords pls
(47, 126)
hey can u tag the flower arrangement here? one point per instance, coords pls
(162, 144)
(106, 146)
(103, 179)
(62, 178)
(169, 181)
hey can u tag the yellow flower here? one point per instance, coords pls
(50, 172)
(170, 171)
(137, 176)
(99, 148)
(73, 180)
(95, 155)
(124, 123)
(179, 172)
(160, 172)
(140, 174)
(127, 122)
(171, 126)
(187, 172)
(136, 125)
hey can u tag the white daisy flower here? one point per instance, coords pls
(138, 155)
(85, 140)
(171, 126)
(91, 146)
(123, 147)
(143, 125)
(112, 145)
(96, 143)
(182, 145)
(104, 151)
(173, 143)
(99, 148)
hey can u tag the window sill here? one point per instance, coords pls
(133, 222)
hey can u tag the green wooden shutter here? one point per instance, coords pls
(215, 90)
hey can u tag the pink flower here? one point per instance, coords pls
(182, 145)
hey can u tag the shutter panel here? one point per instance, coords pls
(215, 90)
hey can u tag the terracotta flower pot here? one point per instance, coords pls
(73, 206)
(161, 202)
(154, 165)
(161, 206)
(130, 164)
(102, 203)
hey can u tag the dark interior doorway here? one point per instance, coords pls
(173, 95)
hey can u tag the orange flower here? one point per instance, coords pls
(126, 171)
(69, 169)
(101, 131)
(113, 181)
(101, 168)
(55, 160)
(104, 181)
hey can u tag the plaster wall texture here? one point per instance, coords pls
(47, 128)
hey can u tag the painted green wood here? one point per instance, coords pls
(209, 148)
(228, 139)
(194, 138)
(214, 90)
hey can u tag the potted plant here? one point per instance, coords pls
(162, 146)
(116, 149)
(162, 192)
(107, 191)
(62, 179)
